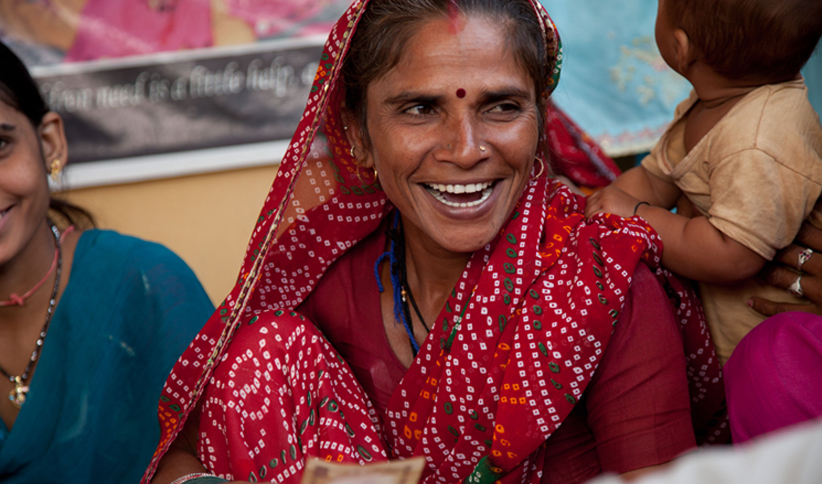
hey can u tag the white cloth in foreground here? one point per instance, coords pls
(791, 456)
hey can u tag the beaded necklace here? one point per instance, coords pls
(18, 395)
(399, 279)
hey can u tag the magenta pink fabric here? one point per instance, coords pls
(271, 18)
(773, 379)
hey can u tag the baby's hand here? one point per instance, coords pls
(611, 200)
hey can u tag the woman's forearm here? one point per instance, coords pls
(176, 463)
(181, 458)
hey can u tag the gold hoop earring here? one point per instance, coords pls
(359, 174)
(541, 168)
(56, 166)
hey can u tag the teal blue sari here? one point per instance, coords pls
(129, 310)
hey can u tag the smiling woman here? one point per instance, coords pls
(90, 320)
(419, 284)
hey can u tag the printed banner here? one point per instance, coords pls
(191, 100)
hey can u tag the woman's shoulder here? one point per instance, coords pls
(111, 240)
(101, 253)
(643, 280)
(116, 248)
(112, 265)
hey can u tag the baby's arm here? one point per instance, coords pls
(694, 248)
(645, 186)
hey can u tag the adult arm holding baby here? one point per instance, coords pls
(802, 256)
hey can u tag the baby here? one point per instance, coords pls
(745, 149)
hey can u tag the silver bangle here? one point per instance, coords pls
(191, 477)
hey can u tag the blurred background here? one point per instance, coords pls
(178, 111)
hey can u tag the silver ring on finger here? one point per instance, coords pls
(796, 287)
(804, 256)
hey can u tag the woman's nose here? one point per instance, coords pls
(462, 143)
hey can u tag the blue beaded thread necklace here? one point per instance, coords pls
(399, 279)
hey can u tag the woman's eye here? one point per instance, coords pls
(504, 108)
(419, 110)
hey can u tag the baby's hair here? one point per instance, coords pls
(765, 40)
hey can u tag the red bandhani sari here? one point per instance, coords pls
(509, 356)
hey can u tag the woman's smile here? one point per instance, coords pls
(460, 195)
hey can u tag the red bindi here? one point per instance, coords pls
(460, 93)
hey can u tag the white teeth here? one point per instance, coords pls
(469, 188)
(437, 193)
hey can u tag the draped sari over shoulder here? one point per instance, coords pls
(508, 357)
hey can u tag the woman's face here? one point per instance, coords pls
(453, 129)
(24, 193)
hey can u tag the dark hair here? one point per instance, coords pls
(766, 40)
(387, 25)
(19, 91)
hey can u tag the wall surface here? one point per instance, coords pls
(206, 219)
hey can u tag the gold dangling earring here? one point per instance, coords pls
(351, 152)
(541, 168)
(55, 169)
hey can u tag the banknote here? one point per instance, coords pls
(318, 471)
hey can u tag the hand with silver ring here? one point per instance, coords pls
(781, 273)
(796, 287)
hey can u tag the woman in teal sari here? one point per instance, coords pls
(91, 321)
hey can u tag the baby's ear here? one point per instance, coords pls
(683, 51)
